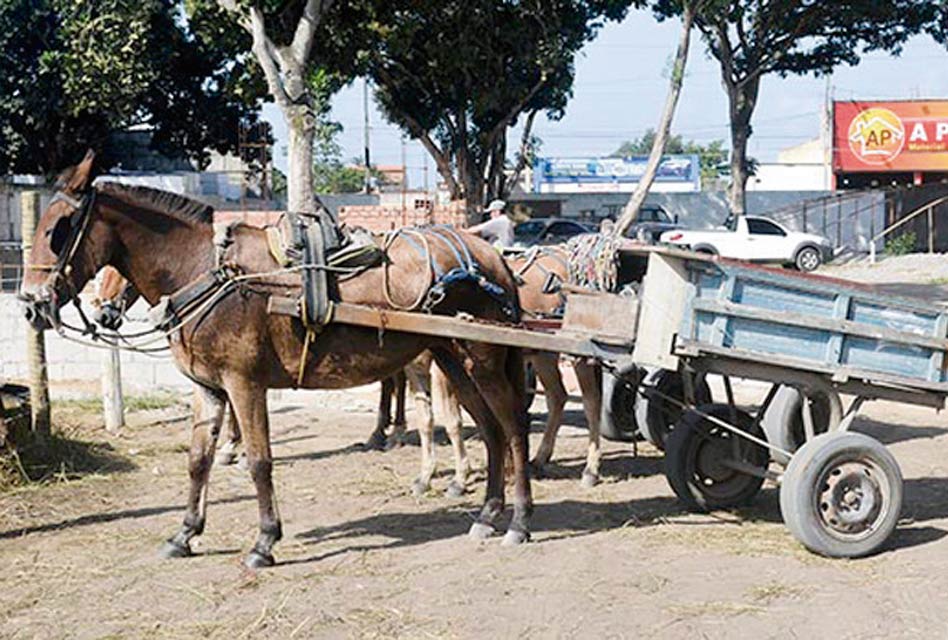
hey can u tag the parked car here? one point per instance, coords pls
(651, 223)
(548, 231)
(755, 239)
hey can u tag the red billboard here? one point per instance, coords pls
(909, 135)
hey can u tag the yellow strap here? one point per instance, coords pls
(275, 245)
(304, 356)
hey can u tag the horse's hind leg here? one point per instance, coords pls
(447, 406)
(493, 436)
(547, 369)
(250, 404)
(227, 451)
(208, 408)
(590, 382)
(383, 418)
(498, 374)
(419, 382)
(397, 438)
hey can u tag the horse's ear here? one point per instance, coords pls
(84, 174)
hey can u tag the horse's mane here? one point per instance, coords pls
(171, 204)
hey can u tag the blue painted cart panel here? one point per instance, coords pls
(759, 313)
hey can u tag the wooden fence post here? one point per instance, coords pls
(113, 406)
(35, 342)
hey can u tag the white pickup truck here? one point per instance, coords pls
(755, 239)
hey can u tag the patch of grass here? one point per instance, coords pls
(938, 281)
(61, 459)
(767, 593)
(715, 609)
(133, 403)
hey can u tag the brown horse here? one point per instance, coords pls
(235, 349)
(431, 393)
(534, 272)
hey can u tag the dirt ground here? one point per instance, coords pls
(362, 558)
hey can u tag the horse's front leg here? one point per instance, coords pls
(546, 366)
(588, 374)
(208, 408)
(249, 403)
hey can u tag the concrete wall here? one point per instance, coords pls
(69, 361)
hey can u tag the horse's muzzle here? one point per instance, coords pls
(39, 311)
(108, 316)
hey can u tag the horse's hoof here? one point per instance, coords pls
(589, 479)
(513, 537)
(419, 488)
(481, 531)
(394, 442)
(455, 490)
(258, 560)
(172, 549)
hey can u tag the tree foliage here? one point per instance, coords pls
(455, 75)
(74, 71)
(752, 39)
(711, 155)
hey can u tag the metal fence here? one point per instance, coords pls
(11, 267)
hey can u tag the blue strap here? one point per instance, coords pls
(450, 230)
(447, 242)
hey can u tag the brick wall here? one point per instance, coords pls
(379, 219)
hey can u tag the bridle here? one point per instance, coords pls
(79, 222)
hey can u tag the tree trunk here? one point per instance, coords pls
(631, 212)
(742, 99)
(471, 177)
(299, 179)
(497, 178)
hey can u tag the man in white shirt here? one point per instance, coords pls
(499, 230)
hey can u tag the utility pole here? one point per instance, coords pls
(35, 342)
(365, 134)
(404, 184)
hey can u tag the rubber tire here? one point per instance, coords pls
(681, 447)
(783, 421)
(654, 418)
(619, 397)
(799, 263)
(797, 493)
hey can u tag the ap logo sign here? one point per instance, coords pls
(876, 135)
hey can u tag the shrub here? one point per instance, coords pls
(901, 245)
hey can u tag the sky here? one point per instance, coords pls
(620, 87)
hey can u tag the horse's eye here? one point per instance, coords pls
(59, 235)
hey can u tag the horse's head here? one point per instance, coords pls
(70, 244)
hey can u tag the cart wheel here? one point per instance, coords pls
(617, 421)
(783, 421)
(530, 380)
(697, 456)
(841, 495)
(656, 416)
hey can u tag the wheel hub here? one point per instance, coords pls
(851, 498)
